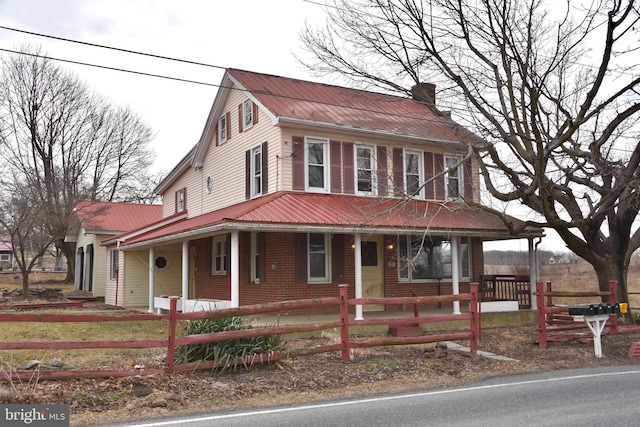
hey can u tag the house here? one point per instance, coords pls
(295, 187)
(6, 254)
(98, 221)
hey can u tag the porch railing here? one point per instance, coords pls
(506, 288)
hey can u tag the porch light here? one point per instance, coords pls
(390, 246)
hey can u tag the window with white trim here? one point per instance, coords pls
(365, 170)
(318, 257)
(113, 264)
(317, 165)
(256, 171)
(453, 177)
(423, 258)
(256, 257)
(247, 114)
(181, 200)
(222, 129)
(413, 174)
(219, 255)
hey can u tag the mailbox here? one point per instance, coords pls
(594, 309)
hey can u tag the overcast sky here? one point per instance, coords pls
(255, 35)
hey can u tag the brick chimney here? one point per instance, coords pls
(425, 92)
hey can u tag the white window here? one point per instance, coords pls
(365, 170)
(429, 257)
(317, 165)
(247, 113)
(413, 174)
(318, 258)
(256, 257)
(5, 257)
(181, 200)
(256, 171)
(453, 177)
(219, 255)
(113, 264)
(222, 129)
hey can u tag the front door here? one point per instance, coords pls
(372, 271)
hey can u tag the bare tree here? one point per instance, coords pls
(67, 143)
(24, 221)
(551, 86)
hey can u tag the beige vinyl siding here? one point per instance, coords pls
(113, 285)
(135, 281)
(190, 180)
(85, 239)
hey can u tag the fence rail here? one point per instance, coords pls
(174, 317)
(554, 322)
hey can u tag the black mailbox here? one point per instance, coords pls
(594, 309)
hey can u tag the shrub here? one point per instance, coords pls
(229, 353)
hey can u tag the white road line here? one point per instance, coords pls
(376, 399)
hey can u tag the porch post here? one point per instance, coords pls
(455, 269)
(185, 275)
(357, 254)
(152, 279)
(532, 273)
(235, 268)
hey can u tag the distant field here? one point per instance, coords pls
(575, 277)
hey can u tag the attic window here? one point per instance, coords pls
(247, 113)
(222, 129)
(181, 200)
(209, 184)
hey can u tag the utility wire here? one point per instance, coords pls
(112, 48)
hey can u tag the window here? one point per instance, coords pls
(161, 262)
(429, 257)
(5, 257)
(365, 170)
(452, 179)
(222, 129)
(256, 171)
(209, 184)
(413, 173)
(247, 113)
(318, 258)
(181, 200)
(113, 264)
(317, 155)
(256, 257)
(219, 255)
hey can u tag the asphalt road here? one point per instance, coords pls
(587, 397)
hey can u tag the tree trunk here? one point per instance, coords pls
(25, 284)
(68, 250)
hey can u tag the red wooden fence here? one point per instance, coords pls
(347, 343)
(555, 323)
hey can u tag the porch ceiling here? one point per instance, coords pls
(304, 212)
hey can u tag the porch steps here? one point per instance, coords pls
(414, 330)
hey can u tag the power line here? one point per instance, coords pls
(112, 48)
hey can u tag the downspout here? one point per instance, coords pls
(533, 269)
(117, 271)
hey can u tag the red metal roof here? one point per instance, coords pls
(349, 108)
(289, 211)
(116, 217)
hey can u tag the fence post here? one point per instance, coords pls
(613, 298)
(542, 316)
(344, 318)
(475, 324)
(173, 316)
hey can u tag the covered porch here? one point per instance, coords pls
(430, 248)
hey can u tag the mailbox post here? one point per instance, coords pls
(595, 316)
